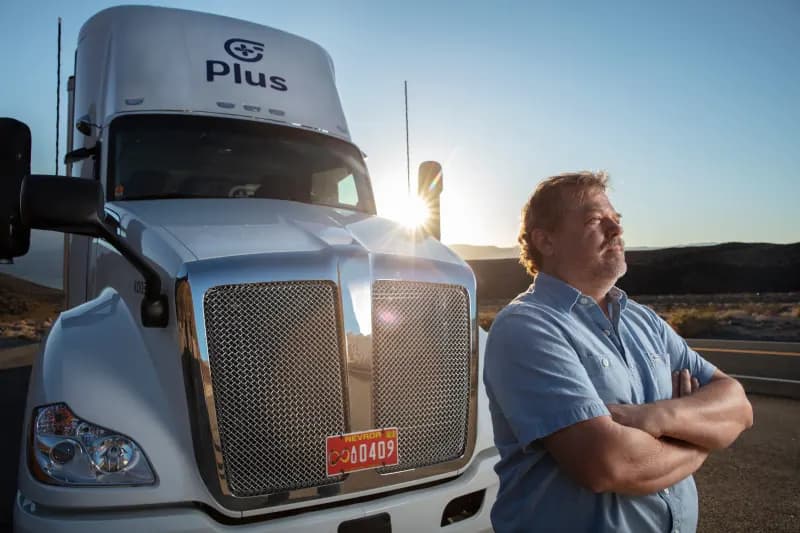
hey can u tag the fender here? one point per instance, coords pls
(111, 372)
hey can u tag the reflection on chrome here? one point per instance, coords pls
(355, 277)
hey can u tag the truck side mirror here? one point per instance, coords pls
(15, 164)
(430, 179)
(74, 205)
(69, 205)
(430, 185)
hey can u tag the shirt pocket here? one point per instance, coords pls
(608, 378)
(662, 374)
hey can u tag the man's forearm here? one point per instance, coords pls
(605, 456)
(711, 418)
(641, 464)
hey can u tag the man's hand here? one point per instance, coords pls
(648, 416)
(642, 416)
(684, 384)
(710, 417)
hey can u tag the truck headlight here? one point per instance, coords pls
(70, 451)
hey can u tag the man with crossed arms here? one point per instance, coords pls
(601, 411)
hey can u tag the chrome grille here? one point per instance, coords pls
(276, 369)
(421, 366)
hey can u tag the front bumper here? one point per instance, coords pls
(412, 511)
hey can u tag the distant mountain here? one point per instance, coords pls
(729, 267)
(42, 263)
(469, 252)
(723, 268)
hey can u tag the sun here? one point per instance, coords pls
(412, 212)
(415, 213)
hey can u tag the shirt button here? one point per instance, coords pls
(675, 531)
(605, 362)
(584, 300)
(666, 492)
(607, 332)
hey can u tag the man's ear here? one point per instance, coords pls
(542, 241)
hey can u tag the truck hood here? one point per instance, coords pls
(202, 229)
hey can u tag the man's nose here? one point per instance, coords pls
(613, 228)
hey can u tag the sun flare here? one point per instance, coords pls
(415, 213)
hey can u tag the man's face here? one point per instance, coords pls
(588, 245)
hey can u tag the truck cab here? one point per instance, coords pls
(246, 343)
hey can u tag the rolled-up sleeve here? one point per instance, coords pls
(682, 356)
(535, 378)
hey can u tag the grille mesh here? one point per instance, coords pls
(276, 369)
(421, 343)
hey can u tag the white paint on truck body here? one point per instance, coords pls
(135, 59)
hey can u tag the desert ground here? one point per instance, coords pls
(27, 310)
(743, 316)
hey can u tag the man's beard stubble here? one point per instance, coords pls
(613, 266)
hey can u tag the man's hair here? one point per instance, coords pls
(545, 208)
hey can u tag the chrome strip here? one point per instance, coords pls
(355, 291)
(187, 336)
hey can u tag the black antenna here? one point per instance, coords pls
(408, 150)
(58, 89)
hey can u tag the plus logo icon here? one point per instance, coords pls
(244, 50)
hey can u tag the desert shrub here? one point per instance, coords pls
(693, 323)
(765, 309)
(12, 304)
(488, 309)
(485, 320)
(732, 314)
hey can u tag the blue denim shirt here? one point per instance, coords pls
(553, 359)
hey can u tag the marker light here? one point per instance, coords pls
(70, 451)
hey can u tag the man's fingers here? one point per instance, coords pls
(686, 382)
(676, 391)
(639, 416)
(695, 385)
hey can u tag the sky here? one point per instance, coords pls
(693, 108)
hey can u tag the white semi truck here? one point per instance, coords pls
(246, 345)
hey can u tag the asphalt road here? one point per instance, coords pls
(13, 390)
(763, 367)
(753, 486)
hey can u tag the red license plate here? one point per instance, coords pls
(360, 451)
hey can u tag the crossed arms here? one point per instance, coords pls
(546, 396)
(641, 449)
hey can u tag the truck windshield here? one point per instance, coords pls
(175, 156)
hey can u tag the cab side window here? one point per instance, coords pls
(336, 186)
(348, 194)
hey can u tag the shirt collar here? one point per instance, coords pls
(564, 296)
(618, 295)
